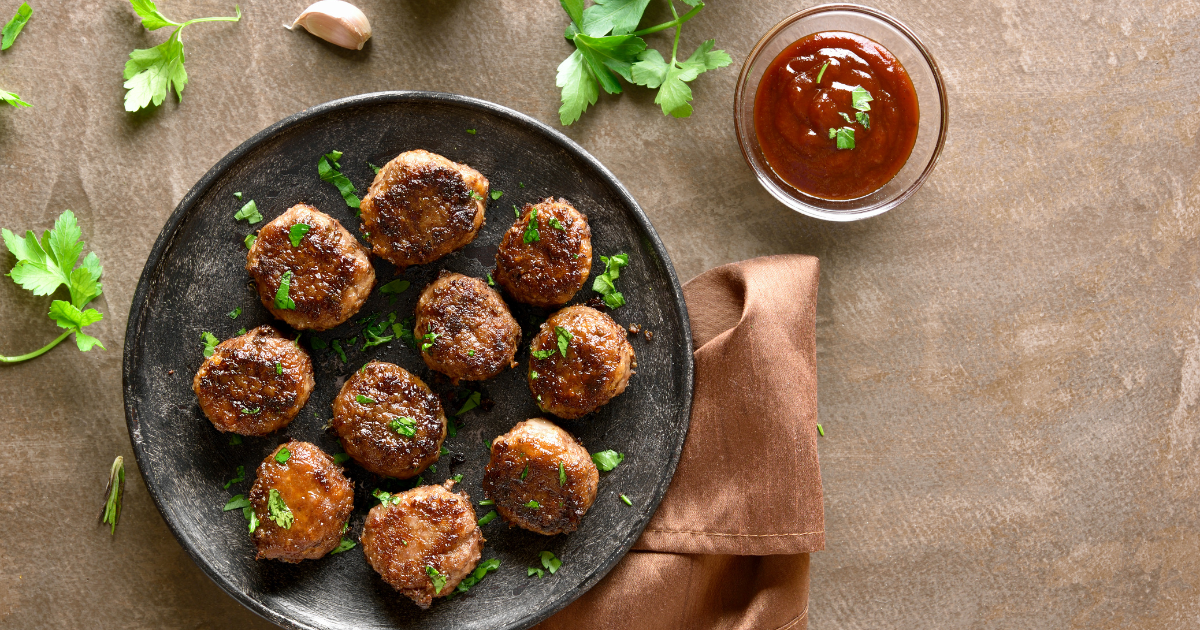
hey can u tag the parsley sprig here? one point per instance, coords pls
(43, 266)
(605, 283)
(112, 501)
(860, 100)
(150, 73)
(608, 45)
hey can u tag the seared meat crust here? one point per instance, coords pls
(254, 384)
(318, 495)
(389, 393)
(525, 467)
(421, 207)
(549, 271)
(428, 526)
(477, 336)
(331, 274)
(597, 367)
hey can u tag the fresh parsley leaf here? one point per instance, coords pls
(516, 211)
(607, 460)
(533, 504)
(822, 72)
(67, 316)
(331, 172)
(210, 343)
(487, 502)
(404, 331)
(478, 574)
(457, 478)
(250, 238)
(151, 73)
(472, 402)
(535, 571)
(610, 57)
(236, 502)
(846, 117)
(574, 9)
(249, 212)
(252, 412)
(13, 99)
(395, 287)
(234, 313)
(491, 283)
(439, 579)
(562, 475)
(278, 510)
(345, 545)
(364, 400)
(238, 196)
(297, 232)
(625, 500)
(674, 96)
(283, 455)
(844, 136)
(541, 354)
(556, 224)
(278, 368)
(112, 495)
(337, 348)
(341, 458)
(14, 26)
(533, 373)
(282, 301)
(430, 339)
(404, 426)
(550, 562)
(531, 228)
(605, 283)
(373, 168)
(860, 99)
(496, 194)
(579, 88)
(242, 331)
(471, 131)
(863, 119)
(476, 196)
(621, 17)
(564, 339)
(487, 518)
(525, 472)
(238, 478)
(253, 524)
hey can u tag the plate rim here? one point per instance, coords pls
(131, 359)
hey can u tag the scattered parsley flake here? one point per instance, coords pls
(364, 400)
(844, 136)
(297, 232)
(282, 301)
(516, 211)
(457, 478)
(822, 72)
(476, 196)
(556, 224)
(531, 228)
(235, 440)
(210, 343)
(242, 331)
(13, 28)
(535, 571)
(605, 283)
(330, 171)
(542, 354)
(562, 475)
(337, 348)
(430, 339)
(533, 374)
(250, 238)
(607, 460)
(496, 194)
(404, 426)
(485, 567)
(341, 458)
(472, 402)
(251, 412)
(550, 562)
(395, 287)
(860, 99)
(625, 500)
(345, 545)
(249, 213)
(238, 196)
(487, 502)
(235, 312)
(236, 502)
(821, 429)
(283, 455)
(471, 131)
(525, 472)
(253, 525)
(863, 119)
(439, 579)
(373, 168)
(487, 518)
(278, 510)
(564, 339)
(533, 504)
(238, 478)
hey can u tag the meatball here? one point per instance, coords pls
(301, 502)
(254, 384)
(425, 534)
(465, 329)
(421, 207)
(595, 366)
(389, 421)
(327, 271)
(547, 267)
(540, 478)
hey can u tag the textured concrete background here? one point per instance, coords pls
(1009, 363)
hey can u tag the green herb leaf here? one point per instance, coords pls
(863, 118)
(541, 354)
(210, 343)
(250, 238)
(373, 168)
(395, 287)
(13, 99)
(525, 472)
(605, 283)
(331, 172)
(674, 96)
(404, 426)
(471, 131)
(531, 228)
(847, 117)
(341, 458)
(283, 455)
(249, 212)
(550, 562)
(472, 402)
(556, 224)
(439, 579)
(317, 343)
(278, 511)
(562, 475)
(238, 196)
(533, 504)
(618, 16)
(516, 211)
(345, 545)
(430, 339)
(236, 502)
(113, 494)
(234, 313)
(476, 196)
(487, 502)
(478, 574)
(251, 412)
(821, 430)
(860, 99)
(235, 440)
(535, 571)
(457, 478)
(496, 194)
(297, 232)
(282, 301)
(364, 400)
(564, 339)
(151, 18)
(533, 374)
(337, 348)
(278, 368)
(491, 283)
(579, 88)
(487, 518)
(625, 500)
(151, 73)
(607, 460)
(822, 72)
(253, 524)
(238, 478)
(574, 9)
(14, 26)
(845, 137)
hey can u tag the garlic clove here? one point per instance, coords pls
(336, 22)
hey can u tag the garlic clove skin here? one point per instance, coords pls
(336, 22)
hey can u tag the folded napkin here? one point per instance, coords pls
(728, 547)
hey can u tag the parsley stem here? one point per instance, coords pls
(676, 22)
(35, 353)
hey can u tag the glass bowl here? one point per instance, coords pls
(926, 79)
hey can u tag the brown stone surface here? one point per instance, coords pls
(1009, 363)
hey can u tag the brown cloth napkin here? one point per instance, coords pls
(728, 547)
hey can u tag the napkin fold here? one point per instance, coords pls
(728, 547)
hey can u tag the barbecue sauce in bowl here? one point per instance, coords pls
(836, 115)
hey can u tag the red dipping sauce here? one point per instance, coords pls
(801, 121)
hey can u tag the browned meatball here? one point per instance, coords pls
(301, 502)
(421, 207)
(426, 533)
(465, 329)
(330, 274)
(254, 384)
(540, 478)
(389, 421)
(547, 267)
(596, 367)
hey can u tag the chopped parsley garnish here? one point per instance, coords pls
(238, 478)
(457, 478)
(331, 172)
(556, 224)
(341, 458)
(251, 412)
(472, 402)
(404, 426)
(317, 343)
(249, 212)
(491, 283)
(822, 72)
(278, 368)
(496, 194)
(252, 517)
(373, 168)
(531, 229)
(863, 119)
(395, 287)
(470, 353)
(471, 131)
(337, 348)
(242, 330)
(478, 574)
(364, 400)
(443, 451)
(562, 474)
(564, 339)
(297, 232)
(533, 505)
(516, 211)
(535, 571)
(474, 195)
(238, 195)
(821, 429)
(345, 545)
(625, 500)
(235, 440)
(430, 339)
(844, 136)
(605, 283)
(236, 502)
(210, 343)
(525, 472)
(487, 502)
(533, 374)
(487, 518)
(249, 241)
(439, 579)
(404, 331)
(607, 460)
(234, 313)
(278, 511)
(282, 301)
(113, 493)
(541, 354)
(550, 562)
(860, 99)
(373, 334)
(283, 455)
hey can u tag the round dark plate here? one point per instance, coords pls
(195, 277)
